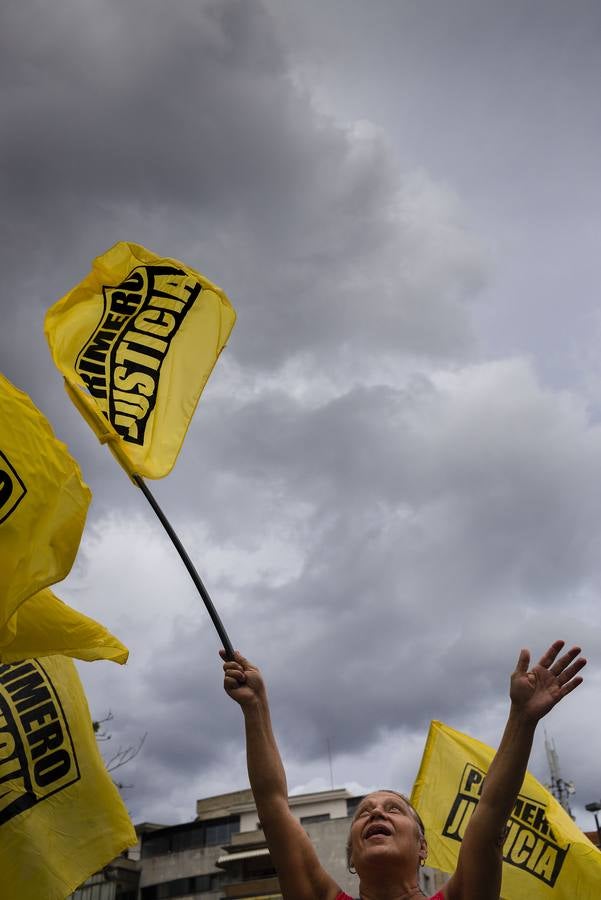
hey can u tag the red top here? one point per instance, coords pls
(343, 896)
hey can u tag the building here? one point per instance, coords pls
(117, 881)
(222, 854)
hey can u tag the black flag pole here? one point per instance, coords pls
(227, 644)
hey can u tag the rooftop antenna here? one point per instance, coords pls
(330, 762)
(561, 790)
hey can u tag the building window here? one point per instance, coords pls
(156, 846)
(220, 832)
(181, 887)
(352, 803)
(320, 817)
(190, 837)
(186, 840)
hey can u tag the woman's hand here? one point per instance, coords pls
(242, 681)
(533, 693)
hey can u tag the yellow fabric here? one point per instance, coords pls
(43, 502)
(136, 341)
(61, 817)
(45, 626)
(546, 856)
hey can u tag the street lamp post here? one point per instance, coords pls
(594, 808)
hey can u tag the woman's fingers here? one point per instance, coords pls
(234, 670)
(549, 657)
(230, 684)
(233, 676)
(569, 687)
(238, 658)
(568, 673)
(237, 664)
(233, 664)
(523, 661)
(564, 661)
(242, 660)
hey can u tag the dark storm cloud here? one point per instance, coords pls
(499, 100)
(484, 455)
(180, 128)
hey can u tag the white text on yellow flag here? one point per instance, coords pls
(136, 341)
(43, 502)
(61, 817)
(545, 854)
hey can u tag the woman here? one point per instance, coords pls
(387, 843)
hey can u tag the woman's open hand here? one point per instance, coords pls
(536, 691)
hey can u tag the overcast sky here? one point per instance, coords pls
(393, 478)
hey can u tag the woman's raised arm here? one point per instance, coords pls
(533, 694)
(301, 875)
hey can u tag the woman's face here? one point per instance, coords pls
(384, 830)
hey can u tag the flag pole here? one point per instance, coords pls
(227, 644)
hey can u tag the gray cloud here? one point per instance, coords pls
(423, 559)
(183, 130)
(382, 513)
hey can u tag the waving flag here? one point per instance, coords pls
(136, 341)
(43, 502)
(61, 817)
(546, 856)
(45, 626)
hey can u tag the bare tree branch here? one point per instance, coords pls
(124, 755)
(101, 734)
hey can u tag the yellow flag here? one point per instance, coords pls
(546, 856)
(136, 341)
(43, 502)
(61, 817)
(45, 626)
